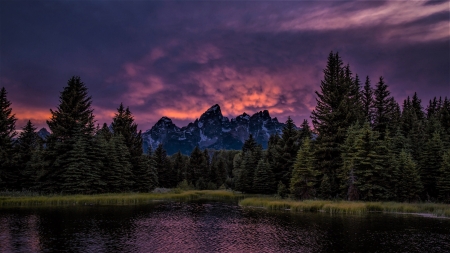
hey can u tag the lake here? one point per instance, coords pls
(207, 226)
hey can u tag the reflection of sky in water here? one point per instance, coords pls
(213, 227)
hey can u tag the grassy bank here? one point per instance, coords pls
(346, 207)
(270, 203)
(115, 199)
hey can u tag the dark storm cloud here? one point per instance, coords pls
(178, 58)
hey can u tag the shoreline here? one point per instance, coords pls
(429, 210)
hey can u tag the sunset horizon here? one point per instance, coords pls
(177, 59)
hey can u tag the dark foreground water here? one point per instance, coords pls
(213, 227)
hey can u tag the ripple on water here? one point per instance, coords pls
(213, 227)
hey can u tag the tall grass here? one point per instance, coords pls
(115, 199)
(346, 207)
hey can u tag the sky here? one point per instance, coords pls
(178, 58)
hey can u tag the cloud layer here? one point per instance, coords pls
(176, 59)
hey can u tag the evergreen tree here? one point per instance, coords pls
(219, 172)
(430, 164)
(123, 123)
(368, 165)
(245, 177)
(417, 107)
(27, 144)
(287, 150)
(95, 154)
(367, 101)
(73, 117)
(8, 172)
(179, 165)
(73, 111)
(331, 119)
(206, 169)
(443, 183)
(409, 185)
(197, 164)
(147, 178)
(304, 175)
(304, 132)
(386, 110)
(78, 176)
(249, 144)
(347, 174)
(166, 177)
(264, 180)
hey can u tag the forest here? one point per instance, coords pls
(363, 146)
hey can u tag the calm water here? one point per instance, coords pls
(213, 227)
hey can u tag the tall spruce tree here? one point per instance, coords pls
(197, 164)
(408, 185)
(166, 176)
(8, 172)
(386, 110)
(123, 123)
(368, 165)
(147, 178)
(331, 119)
(443, 183)
(264, 179)
(367, 101)
(73, 117)
(347, 175)
(27, 144)
(304, 176)
(287, 148)
(179, 165)
(430, 163)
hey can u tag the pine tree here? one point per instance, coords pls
(331, 119)
(430, 163)
(287, 150)
(197, 164)
(408, 186)
(249, 144)
(304, 132)
(27, 144)
(73, 117)
(206, 169)
(387, 113)
(123, 123)
(304, 176)
(219, 172)
(77, 177)
(417, 107)
(123, 168)
(369, 167)
(245, 177)
(263, 181)
(179, 164)
(147, 179)
(443, 183)
(347, 174)
(163, 168)
(73, 111)
(367, 101)
(8, 172)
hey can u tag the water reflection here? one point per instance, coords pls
(213, 227)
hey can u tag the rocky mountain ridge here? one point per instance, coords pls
(212, 130)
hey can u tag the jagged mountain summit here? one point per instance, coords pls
(212, 130)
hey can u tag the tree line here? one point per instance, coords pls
(364, 146)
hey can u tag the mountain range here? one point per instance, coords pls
(212, 130)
